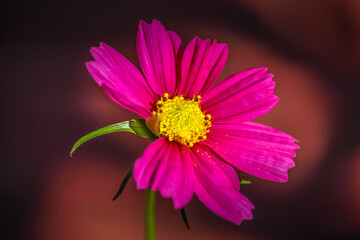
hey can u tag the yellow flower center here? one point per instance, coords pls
(179, 120)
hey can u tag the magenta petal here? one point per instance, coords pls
(216, 185)
(202, 64)
(178, 52)
(121, 80)
(242, 97)
(259, 150)
(220, 171)
(176, 43)
(167, 167)
(145, 166)
(156, 56)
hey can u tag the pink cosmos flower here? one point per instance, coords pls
(204, 130)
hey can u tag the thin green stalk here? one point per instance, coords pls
(150, 233)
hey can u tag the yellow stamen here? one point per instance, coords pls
(180, 120)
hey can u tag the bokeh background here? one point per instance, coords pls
(48, 101)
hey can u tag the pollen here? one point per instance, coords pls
(180, 120)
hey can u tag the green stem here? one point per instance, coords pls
(150, 215)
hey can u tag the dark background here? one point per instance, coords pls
(48, 101)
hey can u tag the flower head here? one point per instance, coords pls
(204, 130)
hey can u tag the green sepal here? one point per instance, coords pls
(183, 215)
(124, 182)
(243, 181)
(139, 127)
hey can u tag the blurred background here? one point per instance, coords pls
(49, 100)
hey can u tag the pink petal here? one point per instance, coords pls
(201, 66)
(178, 52)
(259, 150)
(121, 80)
(242, 97)
(205, 160)
(167, 167)
(217, 186)
(176, 43)
(156, 56)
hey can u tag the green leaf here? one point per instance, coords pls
(243, 181)
(139, 127)
(117, 127)
(183, 215)
(136, 126)
(124, 182)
